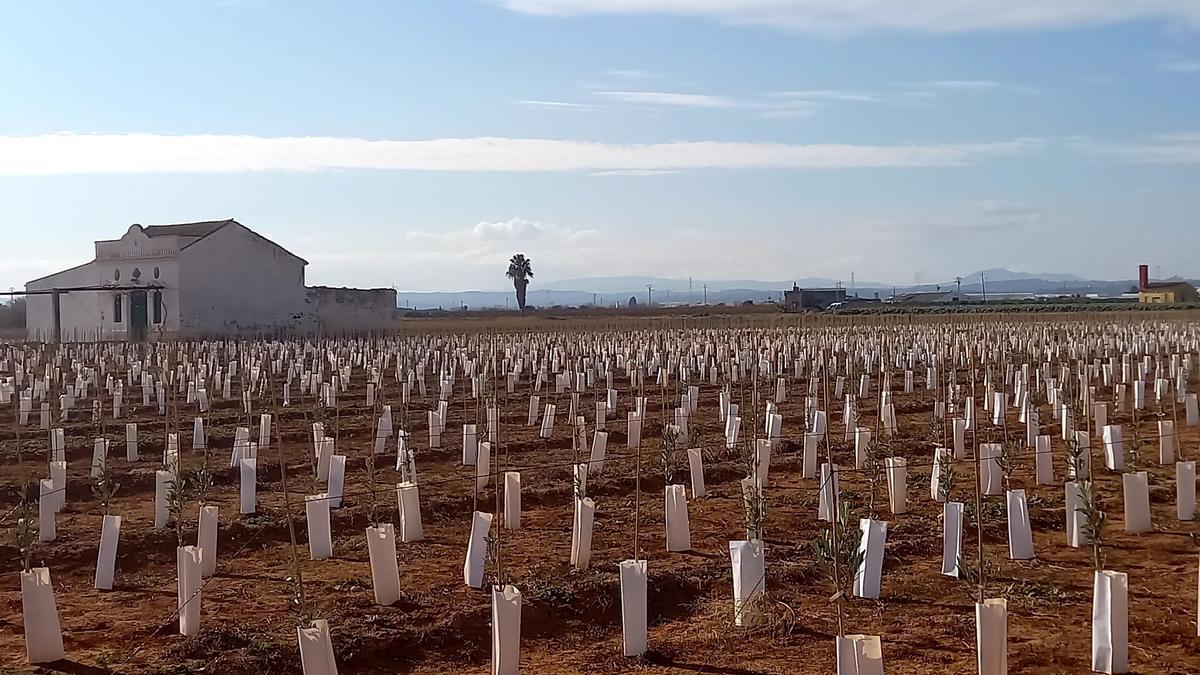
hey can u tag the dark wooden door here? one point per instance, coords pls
(137, 316)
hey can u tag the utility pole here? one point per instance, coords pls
(852, 285)
(649, 295)
(593, 299)
(983, 286)
(957, 288)
(706, 294)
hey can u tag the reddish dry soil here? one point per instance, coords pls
(571, 621)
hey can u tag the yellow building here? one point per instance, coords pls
(1168, 293)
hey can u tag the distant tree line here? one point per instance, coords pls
(12, 314)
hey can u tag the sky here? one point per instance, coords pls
(418, 144)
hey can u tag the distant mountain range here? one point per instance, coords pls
(610, 291)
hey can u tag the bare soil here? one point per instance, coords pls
(571, 621)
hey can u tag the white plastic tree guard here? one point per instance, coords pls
(633, 435)
(1137, 502)
(1075, 520)
(316, 649)
(469, 445)
(581, 533)
(481, 524)
(99, 457)
(859, 655)
(1166, 442)
(1114, 447)
(337, 480)
(198, 439)
(131, 442)
(248, 485)
(189, 582)
(990, 476)
(512, 500)
(1020, 535)
(506, 630)
(483, 466)
(408, 501)
(599, 445)
(206, 540)
(959, 430)
(547, 429)
(869, 576)
(162, 488)
(1185, 490)
(324, 456)
(679, 536)
(39, 613)
(952, 520)
(1110, 622)
(733, 425)
(264, 430)
(579, 473)
(808, 467)
(897, 483)
(762, 462)
(46, 503)
(633, 606)
(696, 469)
(828, 491)
(749, 580)
(320, 539)
(940, 455)
(1043, 460)
(106, 556)
(862, 442)
(385, 572)
(58, 476)
(534, 405)
(991, 636)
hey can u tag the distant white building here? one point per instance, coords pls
(210, 278)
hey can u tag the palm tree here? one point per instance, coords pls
(520, 269)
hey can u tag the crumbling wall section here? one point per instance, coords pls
(351, 310)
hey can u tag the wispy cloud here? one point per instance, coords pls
(666, 98)
(972, 86)
(635, 172)
(971, 220)
(67, 153)
(1178, 148)
(633, 74)
(557, 105)
(840, 17)
(765, 107)
(840, 95)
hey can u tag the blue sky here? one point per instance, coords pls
(419, 144)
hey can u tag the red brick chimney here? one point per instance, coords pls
(1143, 276)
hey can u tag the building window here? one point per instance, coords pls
(156, 272)
(118, 306)
(158, 313)
(116, 275)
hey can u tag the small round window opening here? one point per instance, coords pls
(116, 275)
(155, 272)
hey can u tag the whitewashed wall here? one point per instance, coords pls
(79, 312)
(236, 282)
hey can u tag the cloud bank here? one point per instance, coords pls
(69, 153)
(844, 16)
